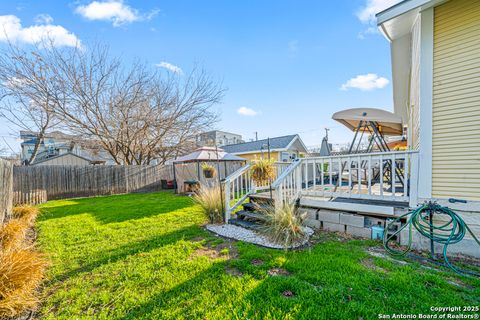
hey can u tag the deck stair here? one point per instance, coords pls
(251, 217)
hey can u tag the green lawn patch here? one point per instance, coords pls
(146, 256)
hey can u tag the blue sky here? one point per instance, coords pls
(286, 64)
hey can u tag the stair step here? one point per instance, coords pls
(261, 198)
(252, 206)
(250, 215)
(244, 223)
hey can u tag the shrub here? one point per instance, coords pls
(284, 225)
(21, 272)
(208, 170)
(13, 233)
(263, 170)
(27, 213)
(210, 199)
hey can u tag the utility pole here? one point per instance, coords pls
(256, 136)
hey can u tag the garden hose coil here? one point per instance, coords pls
(452, 231)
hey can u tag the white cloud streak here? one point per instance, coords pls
(244, 111)
(371, 8)
(366, 15)
(366, 82)
(114, 11)
(11, 29)
(43, 18)
(170, 67)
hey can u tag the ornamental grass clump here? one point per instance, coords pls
(284, 225)
(26, 213)
(21, 273)
(263, 171)
(22, 268)
(210, 199)
(13, 234)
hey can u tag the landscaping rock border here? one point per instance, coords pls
(238, 233)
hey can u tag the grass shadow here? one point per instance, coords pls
(183, 301)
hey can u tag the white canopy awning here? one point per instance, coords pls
(386, 122)
(208, 154)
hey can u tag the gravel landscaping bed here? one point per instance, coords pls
(239, 233)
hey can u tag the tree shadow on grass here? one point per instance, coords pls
(123, 252)
(117, 208)
(183, 301)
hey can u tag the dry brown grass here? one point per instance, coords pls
(26, 213)
(21, 268)
(12, 234)
(21, 272)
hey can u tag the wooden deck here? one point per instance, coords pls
(316, 198)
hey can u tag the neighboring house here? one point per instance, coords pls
(66, 159)
(283, 149)
(218, 138)
(58, 143)
(436, 85)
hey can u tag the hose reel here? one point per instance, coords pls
(449, 231)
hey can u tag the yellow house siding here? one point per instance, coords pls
(456, 100)
(253, 156)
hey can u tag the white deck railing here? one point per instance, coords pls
(239, 185)
(391, 176)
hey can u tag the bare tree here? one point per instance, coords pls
(134, 113)
(29, 92)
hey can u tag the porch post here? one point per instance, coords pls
(426, 99)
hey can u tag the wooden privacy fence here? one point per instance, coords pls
(6, 189)
(36, 184)
(29, 197)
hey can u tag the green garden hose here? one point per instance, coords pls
(450, 232)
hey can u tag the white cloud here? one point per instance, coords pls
(372, 7)
(366, 82)
(170, 67)
(43, 18)
(293, 46)
(367, 15)
(114, 11)
(369, 30)
(244, 111)
(11, 29)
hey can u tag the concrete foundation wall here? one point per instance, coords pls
(359, 225)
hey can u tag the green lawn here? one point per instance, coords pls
(146, 256)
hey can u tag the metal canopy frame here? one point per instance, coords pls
(376, 139)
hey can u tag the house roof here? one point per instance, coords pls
(276, 144)
(397, 20)
(208, 154)
(59, 156)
